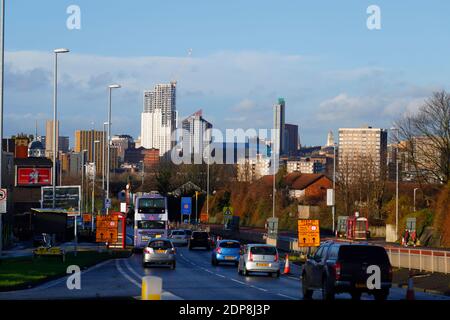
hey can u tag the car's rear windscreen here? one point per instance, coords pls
(230, 245)
(200, 235)
(159, 244)
(178, 233)
(264, 250)
(368, 254)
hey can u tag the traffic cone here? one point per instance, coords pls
(410, 295)
(287, 267)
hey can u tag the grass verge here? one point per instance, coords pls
(26, 272)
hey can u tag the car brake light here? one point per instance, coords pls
(219, 250)
(148, 250)
(174, 250)
(250, 257)
(276, 258)
(337, 270)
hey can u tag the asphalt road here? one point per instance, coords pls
(194, 279)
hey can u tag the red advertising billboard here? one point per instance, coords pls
(34, 176)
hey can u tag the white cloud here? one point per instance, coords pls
(234, 88)
(343, 106)
(245, 105)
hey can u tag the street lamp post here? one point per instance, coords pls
(93, 184)
(207, 190)
(142, 174)
(2, 72)
(103, 156)
(396, 181)
(55, 110)
(113, 86)
(82, 179)
(333, 208)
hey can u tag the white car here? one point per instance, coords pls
(179, 237)
(259, 258)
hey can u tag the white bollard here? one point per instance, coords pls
(151, 288)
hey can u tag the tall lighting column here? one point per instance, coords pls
(396, 181)
(113, 86)
(2, 72)
(55, 110)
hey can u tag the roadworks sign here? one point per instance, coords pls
(107, 229)
(308, 233)
(228, 211)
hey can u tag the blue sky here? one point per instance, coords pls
(319, 55)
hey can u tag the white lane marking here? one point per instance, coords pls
(265, 290)
(126, 276)
(238, 281)
(293, 278)
(285, 296)
(132, 270)
(219, 275)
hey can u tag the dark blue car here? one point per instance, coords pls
(226, 251)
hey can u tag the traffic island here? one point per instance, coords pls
(27, 272)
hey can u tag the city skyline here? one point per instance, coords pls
(369, 73)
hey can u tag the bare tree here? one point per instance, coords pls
(361, 185)
(426, 136)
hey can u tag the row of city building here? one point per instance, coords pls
(358, 151)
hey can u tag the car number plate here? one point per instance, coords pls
(262, 264)
(229, 258)
(160, 251)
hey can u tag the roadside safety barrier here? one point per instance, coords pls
(409, 258)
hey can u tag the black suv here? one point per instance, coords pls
(343, 267)
(200, 239)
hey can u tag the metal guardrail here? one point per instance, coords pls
(419, 259)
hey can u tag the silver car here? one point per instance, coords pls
(159, 251)
(259, 258)
(179, 237)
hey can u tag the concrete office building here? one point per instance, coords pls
(159, 118)
(196, 134)
(84, 140)
(49, 138)
(123, 142)
(361, 149)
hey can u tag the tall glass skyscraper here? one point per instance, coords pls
(279, 126)
(158, 119)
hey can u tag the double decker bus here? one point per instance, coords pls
(150, 218)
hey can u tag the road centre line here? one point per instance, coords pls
(126, 276)
(238, 281)
(283, 295)
(132, 270)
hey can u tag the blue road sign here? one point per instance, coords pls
(186, 206)
(108, 203)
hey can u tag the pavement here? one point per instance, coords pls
(193, 279)
(437, 283)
